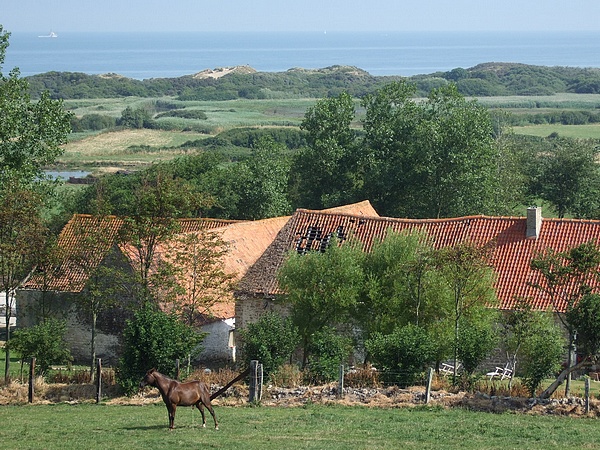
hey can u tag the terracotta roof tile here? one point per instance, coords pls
(512, 252)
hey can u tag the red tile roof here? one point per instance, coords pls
(512, 252)
(69, 276)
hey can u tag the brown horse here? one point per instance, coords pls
(174, 393)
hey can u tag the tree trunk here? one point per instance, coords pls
(554, 386)
(93, 346)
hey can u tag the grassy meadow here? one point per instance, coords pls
(91, 426)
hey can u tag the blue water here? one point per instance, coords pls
(162, 55)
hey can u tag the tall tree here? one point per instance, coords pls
(569, 177)
(434, 158)
(567, 277)
(322, 288)
(323, 170)
(159, 200)
(262, 182)
(466, 269)
(201, 275)
(22, 236)
(31, 134)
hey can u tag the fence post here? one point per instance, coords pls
(341, 382)
(99, 380)
(428, 386)
(587, 395)
(256, 376)
(177, 369)
(31, 380)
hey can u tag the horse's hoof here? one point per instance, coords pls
(216, 428)
(203, 425)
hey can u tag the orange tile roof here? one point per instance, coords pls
(512, 252)
(69, 276)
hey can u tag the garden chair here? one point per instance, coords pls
(502, 372)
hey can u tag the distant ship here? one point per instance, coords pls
(51, 35)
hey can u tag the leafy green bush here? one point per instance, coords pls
(271, 340)
(327, 350)
(45, 342)
(154, 339)
(403, 355)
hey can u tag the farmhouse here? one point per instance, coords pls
(56, 292)
(514, 240)
(246, 243)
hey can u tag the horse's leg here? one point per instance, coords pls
(172, 409)
(212, 412)
(201, 408)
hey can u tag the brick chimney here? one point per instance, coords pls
(534, 222)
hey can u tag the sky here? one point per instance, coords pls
(300, 15)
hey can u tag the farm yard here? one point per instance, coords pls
(305, 424)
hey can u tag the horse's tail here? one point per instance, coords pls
(228, 385)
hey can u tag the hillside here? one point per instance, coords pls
(489, 79)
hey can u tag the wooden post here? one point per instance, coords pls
(428, 386)
(255, 381)
(587, 395)
(340, 392)
(99, 381)
(31, 380)
(177, 369)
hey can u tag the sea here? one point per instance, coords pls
(144, 55)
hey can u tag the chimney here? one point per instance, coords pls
(534, 222)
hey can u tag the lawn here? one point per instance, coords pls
(104, 426)
(590, 131)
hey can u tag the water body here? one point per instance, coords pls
(165, 55)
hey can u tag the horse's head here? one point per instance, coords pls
(148, 379)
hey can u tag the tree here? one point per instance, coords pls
(466, 269)
(322, 288)
(154, 339)
(31, 134)
(262, 182)
(442, 147)
(542, 352)
(159, 199)
(566, 277)
(22, 236)
(323, 170)
(402, 287)
(585, 320)
(570, 177)
(200, 274)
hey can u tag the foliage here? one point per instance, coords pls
(585, 320)
(542, 352)
(477, 338)
(403, 355)
(466, 269)
(158, 200)
(45, 342)
(569, 177)
(327, 349)
(322, 288)
(322, 170)
(270, 340)
(261, 182)
(200, 278)
(154, 339)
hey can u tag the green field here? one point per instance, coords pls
(93, 426)
(591, 131)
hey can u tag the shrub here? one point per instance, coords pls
(154, 339)
(45, 342)
(271, 340)
(402, 355)
(327, 350)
